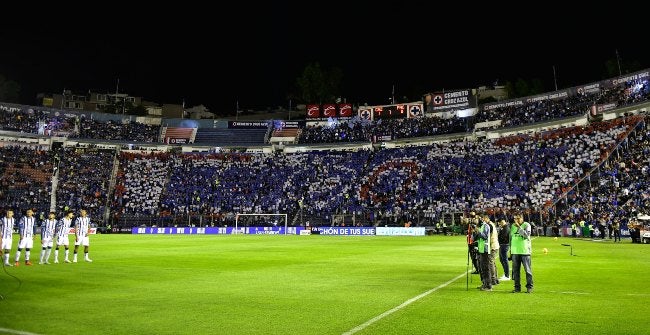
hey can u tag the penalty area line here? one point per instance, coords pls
(13, 331)
(404, 304)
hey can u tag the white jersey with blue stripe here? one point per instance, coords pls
(81, 226)
(7, 228)
(63, 229)
(27, 226)
(47, 230)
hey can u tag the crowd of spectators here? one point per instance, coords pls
(111, 130)
(83, 180)
(140, 182)
(516, 172)
(25, 177)
(261, 183)
(617, 191)
(43, 123)
(35, 122)
(626, 93)
(360, 130)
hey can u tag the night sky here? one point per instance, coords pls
(253, 54)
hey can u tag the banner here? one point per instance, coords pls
(356, 231)
(91, 231)
(313, 111)
(248, 124)
(365, 113)
(173, 140)
(279, 124)
(345, 110)
(216, 230)
(588, 89)
(440, 101)
(415, 110)
(400, 231)
(10, 109)
(548, 96)
(329, 110)
(645, 74)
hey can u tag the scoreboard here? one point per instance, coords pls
(389, 112)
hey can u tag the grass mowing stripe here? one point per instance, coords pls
(404, 304)
(17, 332)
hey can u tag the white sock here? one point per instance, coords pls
(17, 255)
(74, 256)
(56, 255)
(47, 255)
(27, 255)
(67, 252)
(7, 258)
(42, 254)
(85, 255)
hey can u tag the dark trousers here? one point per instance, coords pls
(486, 269)
(517, 262)
(617, 235)
(503, 258)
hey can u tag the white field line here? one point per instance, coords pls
(404, 304)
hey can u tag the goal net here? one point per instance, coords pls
(261, 220)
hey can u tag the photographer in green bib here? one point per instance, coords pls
(483, 237)
(520, 250)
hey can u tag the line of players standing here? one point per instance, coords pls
(511, 242)
(50, 228)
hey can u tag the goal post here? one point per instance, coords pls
(286, 221)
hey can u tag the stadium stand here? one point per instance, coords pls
(530, 160)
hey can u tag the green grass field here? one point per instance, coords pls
(261, 284)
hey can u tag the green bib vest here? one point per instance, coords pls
(519, 245)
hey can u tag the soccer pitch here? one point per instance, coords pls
(288, 284)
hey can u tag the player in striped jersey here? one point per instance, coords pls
(26, 229)
(7, 232)
(82, 225)
(62, 239)
(47, 238)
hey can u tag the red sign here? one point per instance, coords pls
(345, 110)
(329, 110)
(90, 231)
(313, 111)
